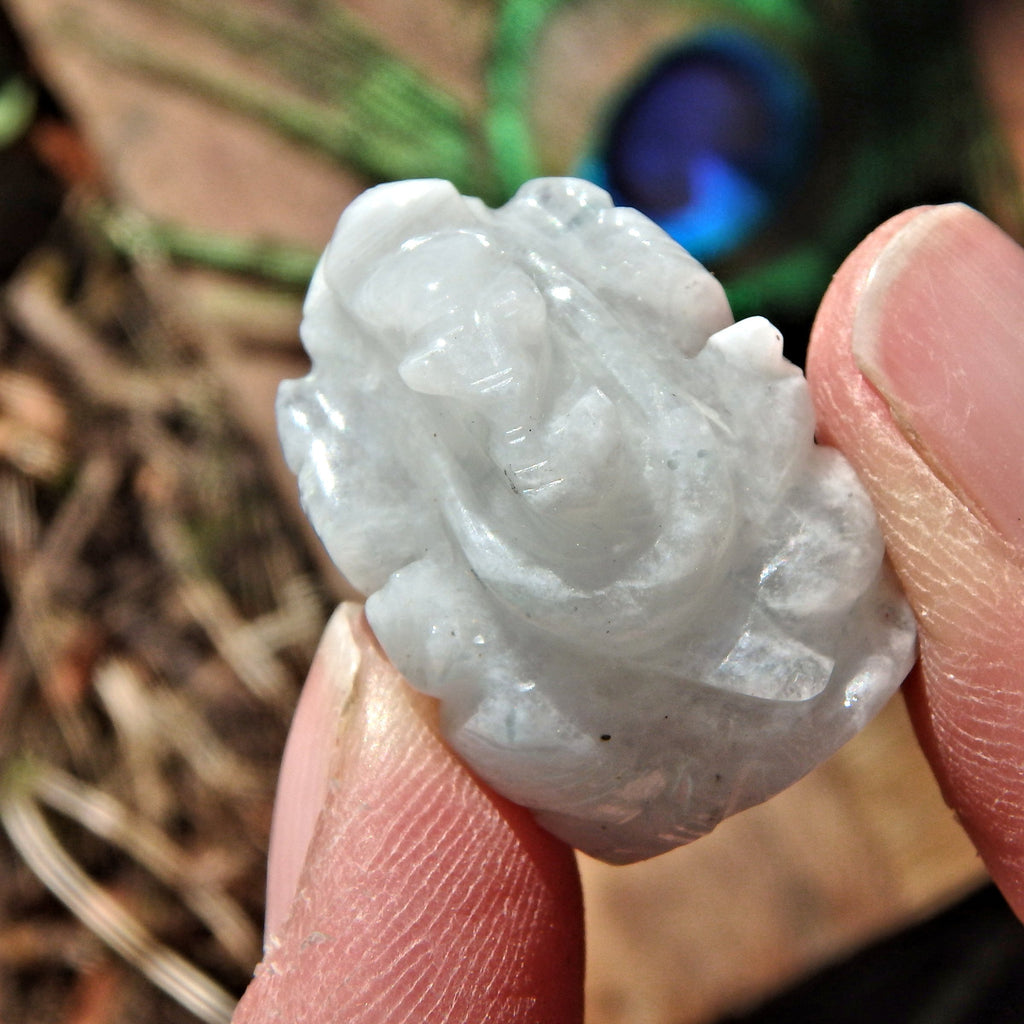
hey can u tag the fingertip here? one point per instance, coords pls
(939, 333)
(933, 284)
(424, 896)
(841, 395)
(306, 762)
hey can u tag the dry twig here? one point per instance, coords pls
(159, 618)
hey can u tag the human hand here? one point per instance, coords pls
(400, 888)
(427, 898)
(916, 366)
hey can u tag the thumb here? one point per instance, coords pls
(917, 370)
(400, 889)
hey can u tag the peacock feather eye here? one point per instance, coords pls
(765, 136)
(709, 140)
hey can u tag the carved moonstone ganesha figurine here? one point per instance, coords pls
(587, 509)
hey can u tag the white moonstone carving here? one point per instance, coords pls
(588, 510)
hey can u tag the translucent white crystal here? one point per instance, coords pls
(587, 509)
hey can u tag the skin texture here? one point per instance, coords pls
(917, 368)
(402, 890)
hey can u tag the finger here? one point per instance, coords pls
(917, 370)
(401, 889)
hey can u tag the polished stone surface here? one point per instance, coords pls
(587, 510)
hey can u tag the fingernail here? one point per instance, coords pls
(939, 332)
(307, 763)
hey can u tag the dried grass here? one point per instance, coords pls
(158, 616)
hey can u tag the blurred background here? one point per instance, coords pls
(169, 170)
